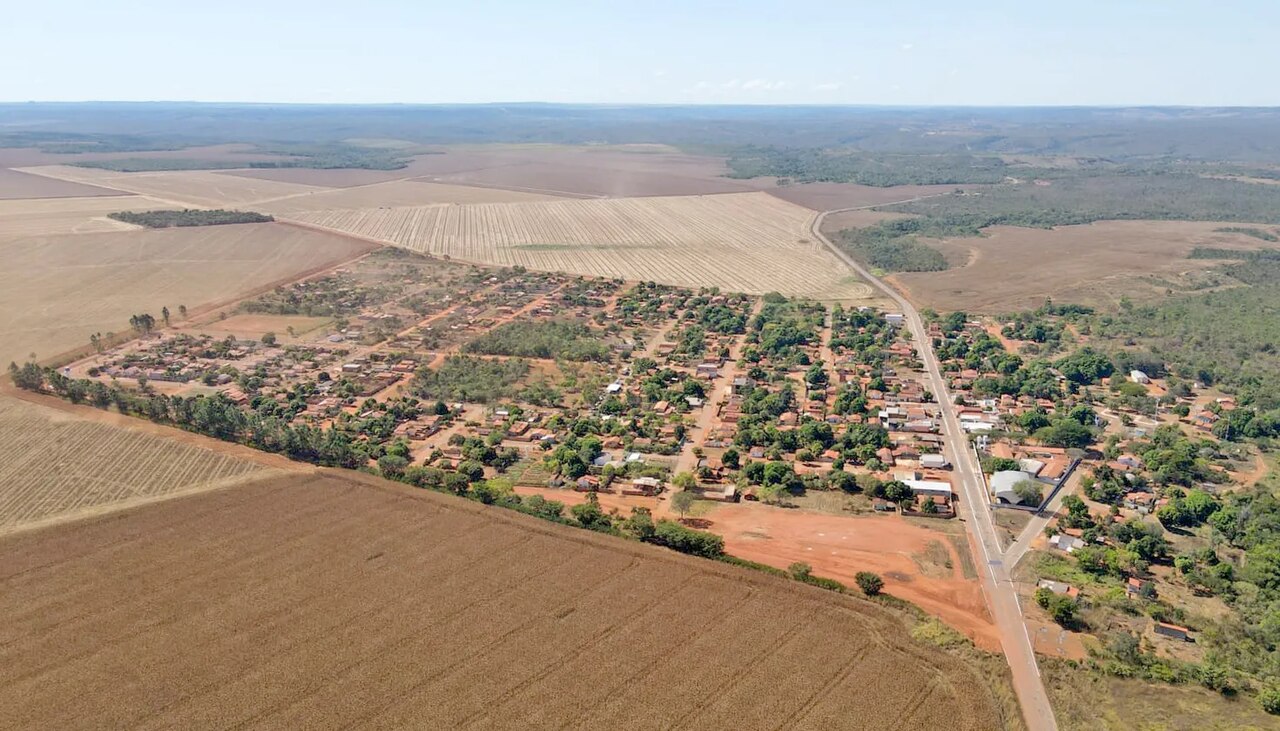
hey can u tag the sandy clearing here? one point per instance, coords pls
(16, 185)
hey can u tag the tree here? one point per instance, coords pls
(269, 339)
(800, 571)
(1270, 700)
(640, 524)
(1029, 492)
(731, 459)
(1059, 606)
(591, 516)
(164, 315)
(682, 501)
(182, 311)
(870, 583)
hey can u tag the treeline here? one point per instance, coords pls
(833, 165)
(1210, 252)
(213, 416)
(310, 157)
(188, 217)
(891, 246)
(560, 340)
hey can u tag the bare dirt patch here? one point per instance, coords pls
(201, 188)
(420, 610)
(833, 196)
(47, 216)
(15, 185)
(838, 547)
(89, 283)
(1016, 268)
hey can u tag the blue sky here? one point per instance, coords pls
(904, 52)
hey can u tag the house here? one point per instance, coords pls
(1173, 631)
(743, 384)
(587, 483)
(1058, 587)
(707, 370)
(1003, 484)
(934, 462)
(929, 488)
(1135, 587)
(896, 319)
(1066, 543)
(644, 486)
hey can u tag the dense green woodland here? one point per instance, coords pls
(809, 165)
(531, 339)
(188, 217)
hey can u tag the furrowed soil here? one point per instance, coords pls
(57, 467)
(93, 283)
(745, 242)
(331, 600)
(1013, 268)
(395, 194)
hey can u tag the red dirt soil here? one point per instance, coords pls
(839, 547)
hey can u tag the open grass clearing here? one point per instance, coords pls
(1013, 268)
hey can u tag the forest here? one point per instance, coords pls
(468, 378)
(188, 217)
(817, 165)
(527, 339)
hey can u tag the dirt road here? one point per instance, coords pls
(1001, 592)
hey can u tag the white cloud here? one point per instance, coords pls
(908, 46)
(731, 84)
(828, 86)
(763, 85)
(659, 73)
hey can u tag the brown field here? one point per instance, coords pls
(838, 547)
(331, 601)
(833, 196)
(88, 283)
(55, 467)
(183, 188)
(48, 216)
(320, 178)
(1014, 268)
(19, 185)
(863, 218)
(254, 327)
(747, 242)
(14, 157)
(1085, 701)
(395, 194)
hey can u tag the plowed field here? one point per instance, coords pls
(328, 601)
(745, 242)
(55, 467)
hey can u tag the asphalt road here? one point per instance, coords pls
(1001, 594)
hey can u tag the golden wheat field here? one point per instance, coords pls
(55, 467)
(336, 601)
(744, 242)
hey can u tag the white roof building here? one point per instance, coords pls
(1003, 482)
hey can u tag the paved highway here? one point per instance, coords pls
(1001, 594)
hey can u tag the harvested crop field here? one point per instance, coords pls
(342, 602)
(55, 467)
(87, 283)
(15, 185)
(833, 196)
(1015, 268)
(838, 547)
(748, 242)
(617, 171)
(184, 188)
(397, 193)
(48, 216)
